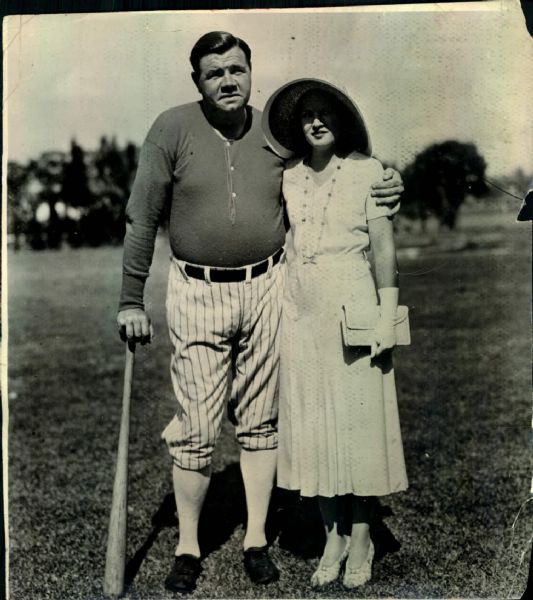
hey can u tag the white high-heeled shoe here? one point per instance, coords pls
(324, 575)
(356, 577)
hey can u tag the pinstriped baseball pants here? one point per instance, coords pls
(226, 349)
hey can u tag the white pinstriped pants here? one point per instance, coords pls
(226, 348)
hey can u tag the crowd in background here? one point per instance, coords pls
(76, 198)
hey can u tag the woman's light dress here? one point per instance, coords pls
(339, 431)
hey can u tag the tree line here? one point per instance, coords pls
(79, 197)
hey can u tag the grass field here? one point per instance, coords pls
(465, 406)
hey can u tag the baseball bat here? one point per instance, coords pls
(116, 540)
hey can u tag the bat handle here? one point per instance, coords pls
(128, 369)
(116, 540)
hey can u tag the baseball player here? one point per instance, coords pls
(209, 163)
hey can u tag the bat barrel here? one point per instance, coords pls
(116, 539)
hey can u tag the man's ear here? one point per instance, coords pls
(195, 77)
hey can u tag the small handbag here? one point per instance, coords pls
(358, 324)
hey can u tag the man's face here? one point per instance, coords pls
(225, 80)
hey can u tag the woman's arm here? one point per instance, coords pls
(381, 235)
(382, 244)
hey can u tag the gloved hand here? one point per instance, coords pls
(385, 338)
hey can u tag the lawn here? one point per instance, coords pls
(465, 405)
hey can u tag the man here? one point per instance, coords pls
(209, 162)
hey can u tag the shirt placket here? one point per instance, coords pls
(230, 169)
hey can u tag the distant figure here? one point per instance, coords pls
(526, 210)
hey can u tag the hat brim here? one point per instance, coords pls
(279, 115)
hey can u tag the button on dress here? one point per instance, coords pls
(339, 429)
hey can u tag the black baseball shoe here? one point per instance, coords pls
(184, 573)
(259, 566)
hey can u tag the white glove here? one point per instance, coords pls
(385, 338)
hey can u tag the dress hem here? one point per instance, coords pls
(307, 494)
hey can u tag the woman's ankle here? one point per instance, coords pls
(360, 532)
(334, 548)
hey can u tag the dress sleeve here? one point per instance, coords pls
(375, 174)
(149, 194)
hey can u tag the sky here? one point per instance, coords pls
(420, 74)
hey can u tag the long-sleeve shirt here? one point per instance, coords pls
(224, 197)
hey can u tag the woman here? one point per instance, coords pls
(339, 430)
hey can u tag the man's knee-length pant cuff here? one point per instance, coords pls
(195, 455)
(264, 440)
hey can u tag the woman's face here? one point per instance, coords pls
(320, 122)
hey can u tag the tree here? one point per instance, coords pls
(439, 179)
(75, 188)
(110, 183)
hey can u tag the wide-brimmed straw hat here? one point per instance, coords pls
(282, 130)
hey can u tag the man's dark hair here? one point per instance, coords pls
(217, 42)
